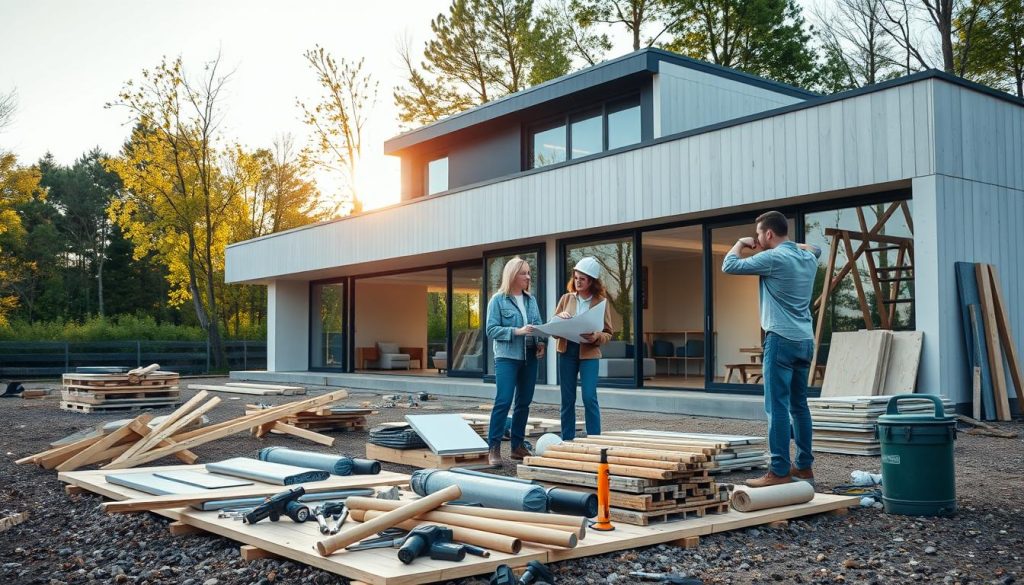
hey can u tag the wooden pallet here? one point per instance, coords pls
(122, 406)
(118, 380)
(637, 518)
(425, 458)
(105, 398)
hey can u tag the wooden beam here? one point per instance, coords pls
(158, 436)
(181, 529)
(252, 553)
(89, 455)
(64, 451)
(236, 426)
(74, 490)
(883, 311)
(626, 470)
(1006, 338)
(869, 323)
(826, 290)
(167, 422)
(303, 433)
(687, 542)
(995, 352)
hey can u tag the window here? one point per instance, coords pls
(585, 134)
(437, 176)
(624, 123)
(327, 342)
(549, 146)
(605, 127)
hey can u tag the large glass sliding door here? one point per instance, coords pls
(494, 263)
(465, 314)
(327, 326)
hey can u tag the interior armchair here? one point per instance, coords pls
(388, 357)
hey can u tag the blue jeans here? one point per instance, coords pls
(786, 363)
(569, 367)
(515, 379)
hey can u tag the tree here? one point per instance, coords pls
(337, 120)
(18, 186)
(8, 105)
(579, 34)
(175, 197)
(761, 37)
(998, 54)
(480, 51)
(914, 25)
(635, 15)
(855, 43)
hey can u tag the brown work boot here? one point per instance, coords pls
(769, 479)
(802, 474)
(519, 453)
(494, 456)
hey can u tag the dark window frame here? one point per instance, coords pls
(565, 120)
(426, 174)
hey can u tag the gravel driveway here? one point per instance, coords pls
(68, 540)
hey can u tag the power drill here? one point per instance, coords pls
(286, 503)
(433, 540)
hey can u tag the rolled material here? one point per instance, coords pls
(748, 499)
(491, 492)
(520, 530)
(329, 545)
(488, 540)
(267, 472)
(572, 502)
(365, 466)
(333, 464)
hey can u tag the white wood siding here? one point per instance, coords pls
(686, 99)
(978, 136)
(860, 141)
(957, 220)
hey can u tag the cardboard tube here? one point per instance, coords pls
(329, 545)
(748, 499)
(522, 531)
(572, 522)
(488, 540)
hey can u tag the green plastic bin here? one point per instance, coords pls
(917, 459)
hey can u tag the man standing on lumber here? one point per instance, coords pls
(786, 270)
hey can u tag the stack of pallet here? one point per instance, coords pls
(846, 425)
(137, 442)
(648, 483)
(324, 419)
(535, 427)
(143, 388)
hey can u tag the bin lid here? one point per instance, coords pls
(892, 414)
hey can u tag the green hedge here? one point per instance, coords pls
(124, 327)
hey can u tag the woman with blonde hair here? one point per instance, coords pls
(511, 314)
(580, 360)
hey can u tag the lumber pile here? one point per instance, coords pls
(989, 341)
(323, 419)
(535, 426)
(140, 388)
(846, 425)
(872, 363)
(109, 427)
(137, 443)
(726, 452)
(250, 388)
(651, 481)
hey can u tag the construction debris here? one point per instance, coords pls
(324, 419)
(138, 389)
(535, 427)
(846, 425)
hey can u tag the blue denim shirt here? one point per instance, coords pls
(787, 282)
(503, 317)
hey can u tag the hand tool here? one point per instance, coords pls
(604, 520)
(672, 578)
(286, 503)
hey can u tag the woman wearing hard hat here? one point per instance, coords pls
(580, 360)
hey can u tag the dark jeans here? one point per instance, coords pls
(515, 379)
(570, 366)
(786, 363)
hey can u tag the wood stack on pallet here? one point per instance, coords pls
(535, 427)
(726, 452)
(846, 425)
(323, 419)
(648, 483)
(136, 442)
(138, 389)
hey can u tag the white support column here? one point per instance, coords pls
(553, 291)
(287, 326)
(928, 294)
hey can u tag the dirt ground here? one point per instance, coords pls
(68, 540)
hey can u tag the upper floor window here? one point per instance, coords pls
(437, 175)
(610, 125)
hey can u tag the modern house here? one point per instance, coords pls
(655, 164)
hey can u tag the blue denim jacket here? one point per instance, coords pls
(503, 317)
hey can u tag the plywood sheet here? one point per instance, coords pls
(904, 360)
(854, 363)
(446, 434)
(382, 567)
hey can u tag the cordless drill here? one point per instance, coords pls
(432, 540)
(285, 503)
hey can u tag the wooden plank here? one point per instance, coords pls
(234, 427)
(251, 553)
(640, 453)
(62, 452)
(174, 421)
(179, 528)
(1006, 337)
(425, 458)
(626, 470)
(853, 364)
(995, 352)
(904, 361)
(631, 461)
(303, 433)
(87, 456)
(826, 292)
(236, 390)
(584, 479)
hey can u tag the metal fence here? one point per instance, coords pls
(52, 358)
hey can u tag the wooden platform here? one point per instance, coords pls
(118, 406)
(425, 458)
(382, 567)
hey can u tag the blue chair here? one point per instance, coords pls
(694, 348)
(663, 348)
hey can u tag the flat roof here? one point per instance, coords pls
(642, 61)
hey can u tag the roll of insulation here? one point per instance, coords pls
(491, 493)
(748, 499)
(333, 464)
(546, 441)
(267, 472)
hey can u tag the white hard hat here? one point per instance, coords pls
(589, 266)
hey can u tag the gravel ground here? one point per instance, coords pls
(68, 540)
